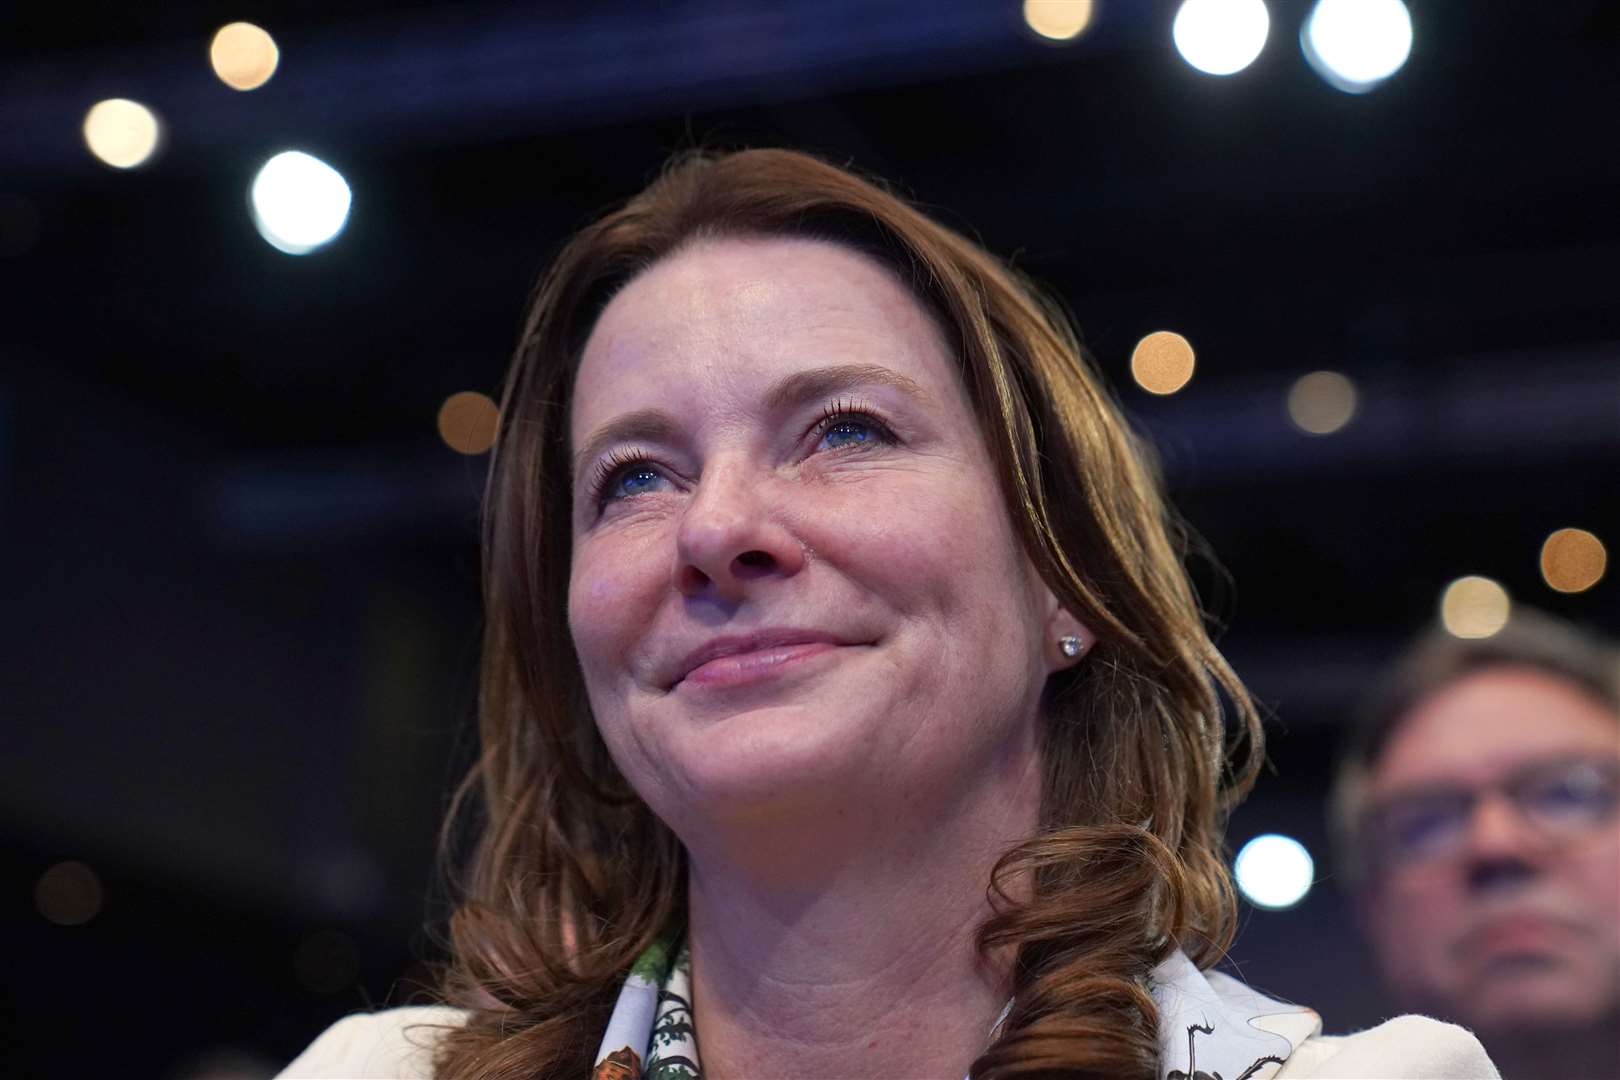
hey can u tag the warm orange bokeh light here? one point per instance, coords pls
(467, 422)
(1573, 560)
(1162, 362)
(1322, 402)
(68, 894)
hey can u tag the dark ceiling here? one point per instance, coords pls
(241, 567)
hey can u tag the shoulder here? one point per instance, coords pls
(397, 1044)
(1405, 1048)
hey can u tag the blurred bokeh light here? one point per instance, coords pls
(1058, 20)
(1357, 44)
(1221, 37)
(244, 56)
(467, 422)
(1162, 362)
(1474, 607)
(1441, 242)
(68, 894)
(1573, 560)
(121, 132)
(1274, 871)
(300, 203)
(1322, 402)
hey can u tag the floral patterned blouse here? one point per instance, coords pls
(1209, 1024)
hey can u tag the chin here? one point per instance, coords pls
(770, 763)
(1542, 1001)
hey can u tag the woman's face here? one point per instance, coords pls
(794, 588)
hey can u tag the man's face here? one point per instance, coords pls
(1495, 894)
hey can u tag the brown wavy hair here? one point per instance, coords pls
(572, 875)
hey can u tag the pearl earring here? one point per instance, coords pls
(1069, 645)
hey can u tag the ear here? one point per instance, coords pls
(1066, 640)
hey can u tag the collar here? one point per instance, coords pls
(1210, 1024)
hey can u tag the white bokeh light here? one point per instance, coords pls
(1221, 37)
(1274, 871)
(1357, 44)
(123, 133)
(244, 56)
(1474, 607)
(299, 202)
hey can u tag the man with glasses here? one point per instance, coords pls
(1478, 815)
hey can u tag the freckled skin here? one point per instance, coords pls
(904, 548)
(1476, 731)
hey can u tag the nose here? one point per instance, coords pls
(729, 537)
(1501, 848)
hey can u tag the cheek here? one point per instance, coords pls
(940, 554)
(1416, 920)
(1598, 878)
(613, 588)
(935, 541)
(979, 572)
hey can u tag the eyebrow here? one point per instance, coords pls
(651, 425)
(824, 382)
(655, 425)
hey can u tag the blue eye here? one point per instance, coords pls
(848, 432)
(846, 425)
(626, 479)
(636, 481)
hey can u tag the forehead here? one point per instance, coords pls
(722, 316)
(1478, 728)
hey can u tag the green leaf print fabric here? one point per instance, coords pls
(650, 1035)
(1209, 1024)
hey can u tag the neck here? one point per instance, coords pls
(854, 957)
(1592, 1050)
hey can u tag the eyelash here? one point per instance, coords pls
(840, 410)
(609, 468)
(617, 462)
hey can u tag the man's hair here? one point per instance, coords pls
(1435, 660)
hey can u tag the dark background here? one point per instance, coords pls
(239, 583)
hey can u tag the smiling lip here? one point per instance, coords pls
(736, 661)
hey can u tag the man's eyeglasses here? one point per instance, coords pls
(1559, 799)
